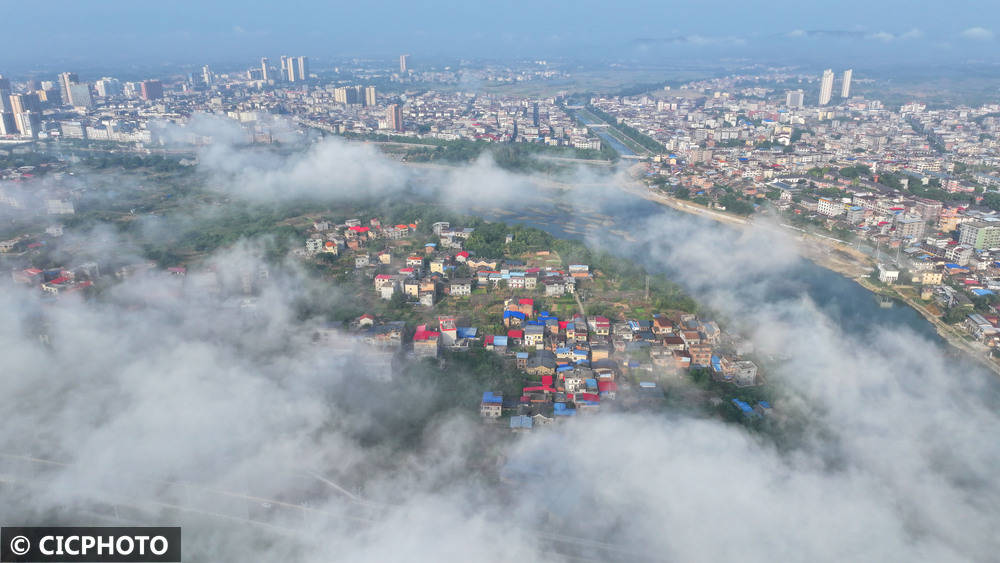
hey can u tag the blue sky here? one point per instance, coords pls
(216, 31)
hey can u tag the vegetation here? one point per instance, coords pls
(734, 204)
(512, 156)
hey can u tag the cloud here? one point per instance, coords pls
(331, 169)
(882, 36)
(203, 391)
(694, 40)
(977, 34)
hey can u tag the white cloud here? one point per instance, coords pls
(154, 379)
(977, 33)
(883, 36)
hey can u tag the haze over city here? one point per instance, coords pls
(884, 32)
(542, 281)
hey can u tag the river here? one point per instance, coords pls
(619, 147)
(855, 309)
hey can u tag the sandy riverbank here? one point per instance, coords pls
(835, 256)
(826, 252)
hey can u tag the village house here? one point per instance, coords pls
(521, 423)
(425, 342)
(744, 373)
(662, 326)
(314, 245)
(554, 287)
(388, 335)
(931, 278)
(491, 406)
(460, 287)
(513, 318)
(542, 363)
(495, 343)
(426, 298)
(534, 336)
(521, 360)
(701, 355)
(682, 359)
(600, 326)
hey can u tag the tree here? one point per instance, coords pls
(736, 205)
(956, 315)
(992, 200)
(398, 300)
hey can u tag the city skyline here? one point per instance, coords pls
(614, 282)
(790, 31)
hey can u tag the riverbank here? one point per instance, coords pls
(950, 334)
(833, 255)
(823, 251)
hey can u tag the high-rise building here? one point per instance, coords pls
(795, 99)
(265, 71)
(66, 80)
(370, 96)
(17, 104)
(6, 113)
(826, 87)
(7, 124)
(28, 123)
(50, 97)
(207, 78)
(302, 68)
(394, 117)
(108, 87)
(403, 60)
(845, 89)
(347, 95)
(980, 234)
(294, 69)
(151, 90)
(79, 95)
(4, 94)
